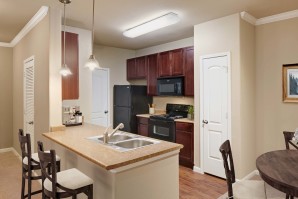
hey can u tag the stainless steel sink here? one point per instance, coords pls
(124, 141)
(117, 138)
(132, 144)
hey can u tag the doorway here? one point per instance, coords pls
(100, 97)
(28, 93)
(215, 110)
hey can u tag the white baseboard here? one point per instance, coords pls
(250, 175)
(197, 169)
(6, 150)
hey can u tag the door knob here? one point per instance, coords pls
(31, 122)
(106, 112)
(205, 121)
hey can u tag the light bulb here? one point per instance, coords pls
(65, 71)
(92, 63)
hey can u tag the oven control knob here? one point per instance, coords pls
(205, 121)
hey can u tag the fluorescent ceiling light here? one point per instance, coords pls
(154, 24)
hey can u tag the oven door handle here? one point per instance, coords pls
(157, 121)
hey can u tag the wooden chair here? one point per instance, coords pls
(288, 137)
(252, 189)
(30, 162)
(62, 184)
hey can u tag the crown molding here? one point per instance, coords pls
(41, 13)
(248, 17)
(278, 17)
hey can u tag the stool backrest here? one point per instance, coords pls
(25, 144)
(227, 157)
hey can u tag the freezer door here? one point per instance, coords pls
(122, 115)
(122, 95)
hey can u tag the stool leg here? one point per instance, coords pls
(74, 197)
(29, 183)
(23, 184)
(58, 166)
(90, 192)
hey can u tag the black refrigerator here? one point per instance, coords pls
(129, 100)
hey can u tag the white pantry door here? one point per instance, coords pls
(29, 99)
(100, 96)
(215, 114)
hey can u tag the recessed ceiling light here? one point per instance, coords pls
(152, 25)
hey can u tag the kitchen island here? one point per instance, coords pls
(149, 172)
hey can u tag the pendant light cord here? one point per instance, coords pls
(64, 36)
(93, 27)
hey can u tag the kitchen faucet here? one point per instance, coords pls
(106, 136)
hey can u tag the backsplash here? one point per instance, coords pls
(160, 102)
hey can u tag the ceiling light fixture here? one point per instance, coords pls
(152, 25)
(92, 63)
(65, 71)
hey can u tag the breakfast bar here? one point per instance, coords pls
(147, 172)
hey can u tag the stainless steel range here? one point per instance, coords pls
(163, 126)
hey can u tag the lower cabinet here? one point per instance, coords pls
(184, 136)
(143, 126)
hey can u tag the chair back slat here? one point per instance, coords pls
(288, 135)
(227, 157)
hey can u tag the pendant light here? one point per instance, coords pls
(92, 63)
(64, 71)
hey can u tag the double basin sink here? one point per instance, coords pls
(124, 142)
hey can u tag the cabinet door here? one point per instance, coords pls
(143, 126)
(189, 71)
(141, 68)
(70, 83)
(152, 75)
(164, 68)
(131, 69)
(184, 136)
(176, 57)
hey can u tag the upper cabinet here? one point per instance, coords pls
(178, 62)
(70, 83)
(152, 74)
(170, 63)
(136, 68)
(189, 71)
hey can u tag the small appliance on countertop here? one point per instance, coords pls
(72, 116)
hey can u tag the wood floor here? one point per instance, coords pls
(192, 185)
(197, 186)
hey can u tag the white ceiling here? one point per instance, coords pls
(112, 17)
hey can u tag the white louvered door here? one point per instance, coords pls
(29, 99)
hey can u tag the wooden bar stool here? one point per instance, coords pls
(62, 184)
(30, 162)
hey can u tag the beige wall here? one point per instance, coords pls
(161, 102)
(276, 44)
(115, 60)
(35, 43)
(248, 98)
(224, 35)
(6, 97)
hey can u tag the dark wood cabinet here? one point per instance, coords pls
(143, 126)
(189, 71)
(70, 83)
(131, 68)
(176, 57)
(170, 63)
(152, 74)
(184, 136)
(136, 68)
(164, 68)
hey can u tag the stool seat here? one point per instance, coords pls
(71, 179)
(35, 157)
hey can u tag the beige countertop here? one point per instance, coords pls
(74, 139)
(177, 120)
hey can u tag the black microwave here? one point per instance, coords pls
(170, 86)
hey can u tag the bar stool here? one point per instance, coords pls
(62, 184)
(30, 162)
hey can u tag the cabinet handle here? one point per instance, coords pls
(205, 121)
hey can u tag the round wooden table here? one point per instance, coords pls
(280, 170)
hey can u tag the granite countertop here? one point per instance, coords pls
(177, 120)
(74, 139)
